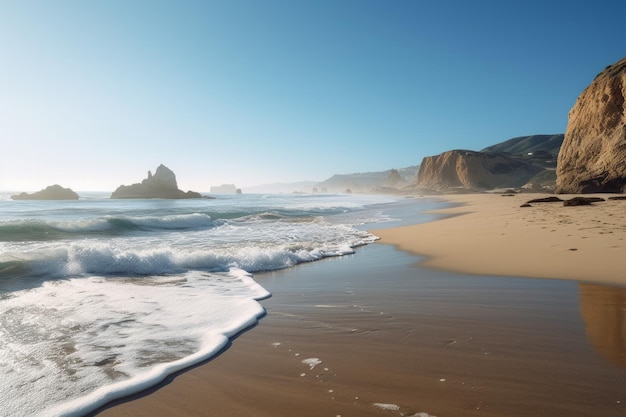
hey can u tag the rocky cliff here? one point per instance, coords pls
(470, 170)
(52, 192)
(160, 185)
(593, 154)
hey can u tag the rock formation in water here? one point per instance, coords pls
(160, 185)
(461, 170)
(224, 189)
(52, 192)
(593, 154)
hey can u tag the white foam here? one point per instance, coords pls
(66, 338)
(387, 407)
(132, 298)
(312, 362)
(263, 248)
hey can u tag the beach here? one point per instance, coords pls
(379, 333)
(491, 234)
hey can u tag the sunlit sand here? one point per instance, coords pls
(490, 234)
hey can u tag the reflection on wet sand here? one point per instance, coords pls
(603, 309)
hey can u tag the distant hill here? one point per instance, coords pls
(388, 181)
(523, 145)
(539, 150)
(364, 182)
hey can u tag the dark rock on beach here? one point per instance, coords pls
(160, 185)
(582, 201)
(52, 192)
(545, 200)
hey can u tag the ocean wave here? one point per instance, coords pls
(38, 230)
(87, 258)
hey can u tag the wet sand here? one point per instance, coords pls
(377, 334)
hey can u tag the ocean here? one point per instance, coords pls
(103, 298)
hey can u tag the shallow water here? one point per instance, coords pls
(100, 298)
(490, 345)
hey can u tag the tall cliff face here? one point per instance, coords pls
(461, 169)
(593, 155)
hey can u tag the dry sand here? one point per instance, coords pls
(396, 339)
(490, 234)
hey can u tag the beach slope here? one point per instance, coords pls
(491, 234)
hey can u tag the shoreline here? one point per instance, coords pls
(374, 334)
(490, 234)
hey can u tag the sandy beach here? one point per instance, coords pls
(491, 234)
(378, 333)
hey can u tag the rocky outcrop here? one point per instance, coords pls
(52, 192)
(224, 189)
(469, 170)
(160, 185)
(582, 201)
(593, 155)
(394, 180)
(551, 199)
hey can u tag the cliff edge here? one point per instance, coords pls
(470, 170)
(592, 158)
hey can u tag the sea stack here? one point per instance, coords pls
(52, 192)
(593, 155)
(160, 185)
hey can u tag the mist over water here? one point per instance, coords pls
(100, 298)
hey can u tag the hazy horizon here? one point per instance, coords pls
(264, 186)
(95, 94)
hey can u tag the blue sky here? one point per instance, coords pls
(95, 93)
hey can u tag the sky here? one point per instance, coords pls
(94, 93)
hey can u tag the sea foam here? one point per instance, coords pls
(121, 335)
